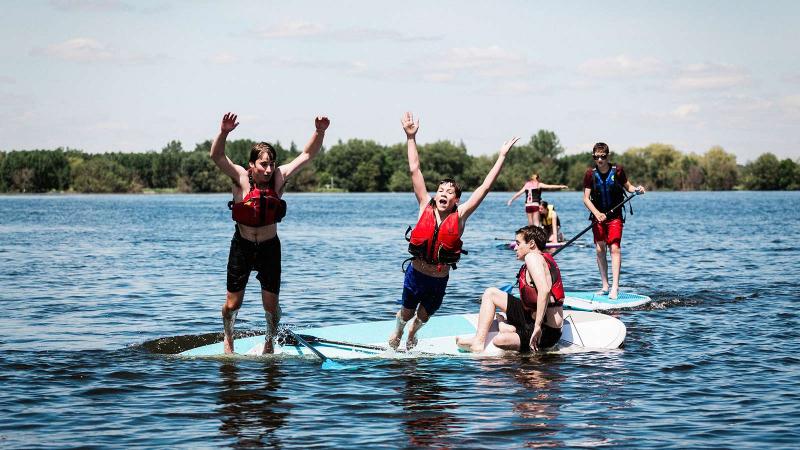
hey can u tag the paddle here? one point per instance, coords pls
(327, 363)
(320, 340)
(567, 244)
(509, 287)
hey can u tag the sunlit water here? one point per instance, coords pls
(97, 289)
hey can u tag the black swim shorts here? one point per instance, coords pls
(246, 256)
(524, 324)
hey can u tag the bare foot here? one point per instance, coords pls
(394, 339)
(464, 342)
(411, 342)
(612, 294)
(268, 347)
(227, 344)
(477, 346)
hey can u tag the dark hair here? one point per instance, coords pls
(456, 186)
(534, 233)
(261, 148)
(601, 146)
(544, 204)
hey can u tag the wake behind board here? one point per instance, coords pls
(591, 301)
(582, 331)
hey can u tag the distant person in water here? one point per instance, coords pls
(533, 322)
(435, 243)
(257, 208)
(533, 197)
(551, 222)
(603, 188)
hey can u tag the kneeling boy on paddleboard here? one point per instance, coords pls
(533, 322)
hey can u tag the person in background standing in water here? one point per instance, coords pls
(533, 196)
(549, 216)
(257, 208)
(603, 187)
(435, 243)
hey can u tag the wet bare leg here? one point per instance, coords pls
(272, 314)
(420, 320)
(403, 316)
(233, 301)
(602, 263)
(491, 299)
(616, 265)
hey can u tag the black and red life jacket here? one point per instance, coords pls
(258, 208)
(528, 291)
(436, 244)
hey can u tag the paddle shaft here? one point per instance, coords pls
(320, 340)
(567, 244)
(307, 345)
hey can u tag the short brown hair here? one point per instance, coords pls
(456, 186)
(261, 148)
(534, 233)
(601, 147)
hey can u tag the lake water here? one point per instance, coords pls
(96, 290)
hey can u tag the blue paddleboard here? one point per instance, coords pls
(581, 331)
(592, 301)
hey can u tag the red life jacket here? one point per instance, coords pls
(436, 244)
(258, 208)
(528, 291)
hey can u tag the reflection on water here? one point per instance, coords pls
(539, 401)
(252, 411)
(428, 420)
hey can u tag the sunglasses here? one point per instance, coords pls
(599, 157)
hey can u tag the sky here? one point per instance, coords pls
(130, 76)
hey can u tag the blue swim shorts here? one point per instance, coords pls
(419, 288)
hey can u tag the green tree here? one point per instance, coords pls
(100, 174)
(719, 169)
(35, 171)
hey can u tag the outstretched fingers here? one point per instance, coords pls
(229, 122)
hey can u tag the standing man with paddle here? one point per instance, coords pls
(257, 208)
(435, 243)
(604, 188)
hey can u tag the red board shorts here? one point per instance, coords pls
(609, 231)
(532, 208)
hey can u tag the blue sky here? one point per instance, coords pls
(117, 75)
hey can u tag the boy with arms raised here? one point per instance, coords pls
(435, 243)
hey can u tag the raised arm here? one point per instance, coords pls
(553, 186)
(477, 197)
(535, 264)
(217, 153)
(417, 181)
(321, 124)
(515, 196)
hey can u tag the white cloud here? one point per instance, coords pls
(491, 62)
(223, 58)
(78, 50)
(309, 30)
(685, 111)
(7, 80)
(622, 66)
(711, 76)
(91, 5)
(88, 50)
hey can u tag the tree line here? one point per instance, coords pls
(366, 166)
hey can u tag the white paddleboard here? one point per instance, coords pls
(592, 301)
(582, 331)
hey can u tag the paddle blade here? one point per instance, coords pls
(507, 288)
(330, 364)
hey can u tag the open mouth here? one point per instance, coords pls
(443, 201)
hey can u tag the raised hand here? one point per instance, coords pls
(409, 125)
(322, 123)
(229, 123)
(507, 145)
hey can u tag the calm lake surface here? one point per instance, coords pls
(97, 290)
